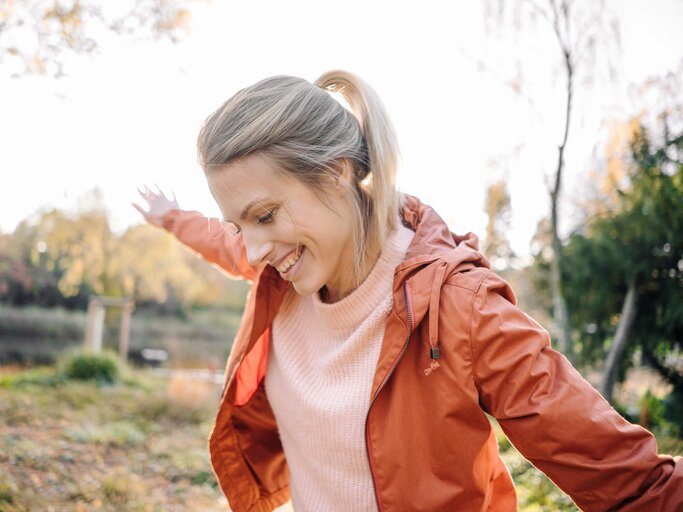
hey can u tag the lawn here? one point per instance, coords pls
(76, 446)
(139, 445)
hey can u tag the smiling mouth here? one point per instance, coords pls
(290, 261)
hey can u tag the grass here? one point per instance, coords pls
(133, 446)
(140, 445)
(535, 491)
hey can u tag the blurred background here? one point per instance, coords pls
(551, 128)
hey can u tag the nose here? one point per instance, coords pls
(258, 247)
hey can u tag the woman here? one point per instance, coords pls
(374, 340)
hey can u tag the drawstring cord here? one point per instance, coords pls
(434, 352)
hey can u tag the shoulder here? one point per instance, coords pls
(479, 281)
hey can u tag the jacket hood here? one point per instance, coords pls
(435, 255)
(432, 235)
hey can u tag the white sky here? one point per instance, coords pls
(129, 115)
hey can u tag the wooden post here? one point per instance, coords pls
(98, 329)
(87, 342)
(124, 334)
(95, 323)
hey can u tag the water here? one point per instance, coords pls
(166, 352)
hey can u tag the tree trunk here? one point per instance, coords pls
(560, 312)
(616, 351)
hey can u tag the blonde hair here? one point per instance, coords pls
(307, 133)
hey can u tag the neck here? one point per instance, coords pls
(345, 285)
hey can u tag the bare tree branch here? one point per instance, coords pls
(37, 35)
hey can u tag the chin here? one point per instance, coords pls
(304, 288)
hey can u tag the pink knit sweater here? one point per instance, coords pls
(320, 369)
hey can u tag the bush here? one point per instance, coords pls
(103, 368)
(662, 415)
(653, 409)
(673, 411)
(625, 413)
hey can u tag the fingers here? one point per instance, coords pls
(140, 209)
(148, 194)
(160, 192)
(157, 198)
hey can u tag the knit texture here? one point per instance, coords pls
(319, 379)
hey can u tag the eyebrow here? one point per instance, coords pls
(247, 209)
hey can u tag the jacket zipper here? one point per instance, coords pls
(409, 313)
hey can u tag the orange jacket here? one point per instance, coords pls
(430, 445)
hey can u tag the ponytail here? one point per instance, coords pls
(382, 148)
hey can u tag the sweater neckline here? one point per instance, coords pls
(352, 309)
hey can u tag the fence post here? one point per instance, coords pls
(95, 323)
(124, 334)
(95, 326)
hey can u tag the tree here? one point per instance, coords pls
(581, 31)
(76, 248)
(16, 279)
(498, 210)
(150, 266)
(37, 35)
(625, 272)
(59, 258)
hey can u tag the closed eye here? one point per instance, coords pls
(267, 217)
(232, 227)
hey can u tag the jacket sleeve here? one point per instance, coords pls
(211, 240)
(557, 420)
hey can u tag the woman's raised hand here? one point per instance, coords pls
(157, 205)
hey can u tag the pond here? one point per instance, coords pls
(34, 336)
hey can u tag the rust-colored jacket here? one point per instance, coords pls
(429, 442)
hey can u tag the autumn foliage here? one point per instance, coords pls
(60, 258)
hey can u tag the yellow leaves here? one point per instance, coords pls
(6, 10)
(635, 127)
(70, 282)
(180, 19)
(74, 248)
(57, 28)
(78, 253)
(68, 17)
(151, 265)
(498, 209)
(611, 177)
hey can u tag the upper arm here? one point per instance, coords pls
(557, 420)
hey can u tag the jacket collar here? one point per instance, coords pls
(434, 255)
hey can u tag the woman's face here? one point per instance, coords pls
(285, 223)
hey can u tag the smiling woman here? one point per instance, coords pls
(303, 132)
(286, 224)
(375, 341)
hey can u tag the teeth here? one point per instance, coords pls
(289, 262)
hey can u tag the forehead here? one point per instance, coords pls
(252, 178)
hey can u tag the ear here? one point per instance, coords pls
(345, 175)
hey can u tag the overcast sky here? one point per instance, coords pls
(129, 115)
